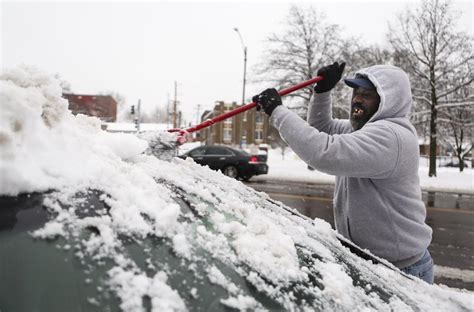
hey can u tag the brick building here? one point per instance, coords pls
(248, 128)
(101, 106)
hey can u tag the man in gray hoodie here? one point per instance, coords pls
(374, 156)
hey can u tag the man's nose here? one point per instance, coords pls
(356, 99)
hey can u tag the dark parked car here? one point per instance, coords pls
(232, 162)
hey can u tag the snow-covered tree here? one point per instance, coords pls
(456, 123)
(438, 57)
(307, 42)
(65, 85)
(156, 115)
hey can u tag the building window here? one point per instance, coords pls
(259, 118)
(258, 135)
(227, 135)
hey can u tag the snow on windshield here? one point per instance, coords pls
(44, 147)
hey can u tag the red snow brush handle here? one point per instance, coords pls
(241, 109)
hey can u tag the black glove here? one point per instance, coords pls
(332, 74)
(268, 100)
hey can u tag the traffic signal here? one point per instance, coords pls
(133, 110)
(137, 124)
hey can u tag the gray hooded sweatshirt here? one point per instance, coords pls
(377, 199)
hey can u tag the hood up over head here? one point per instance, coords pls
(393, 87)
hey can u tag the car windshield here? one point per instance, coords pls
(215, 242)
(94, 221)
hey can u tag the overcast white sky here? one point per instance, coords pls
(140, 48)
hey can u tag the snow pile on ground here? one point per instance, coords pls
(447, 180)
(453, 273)
(204, 217)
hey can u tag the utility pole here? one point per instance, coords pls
(168, 111)
(245, 75)
(175, 105)
(244, 48)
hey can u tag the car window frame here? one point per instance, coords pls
(229, 153)
(193, 153)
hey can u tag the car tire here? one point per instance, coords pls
(231, 171)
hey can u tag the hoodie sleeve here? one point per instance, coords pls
(371, 152)
(320, 115)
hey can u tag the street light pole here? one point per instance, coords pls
(245, 76)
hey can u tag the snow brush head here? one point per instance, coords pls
(163, 144)
(181, 135)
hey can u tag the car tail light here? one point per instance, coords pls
(253, 159)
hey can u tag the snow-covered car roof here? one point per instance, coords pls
(208, 220)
